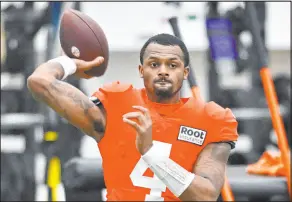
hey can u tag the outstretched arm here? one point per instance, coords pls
(46, 86)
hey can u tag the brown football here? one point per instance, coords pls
(82, 38)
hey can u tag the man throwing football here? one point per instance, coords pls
(155, 145)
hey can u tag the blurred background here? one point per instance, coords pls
(36, 144)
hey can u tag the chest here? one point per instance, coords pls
(183, 138)
(183, 134)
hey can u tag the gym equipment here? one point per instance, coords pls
(65, 136)
(282, 87)
(50, 139)
(227, 81)
(254, 21)
(79, 171)
(3, 43)
(17, 172)
(21, 25)
(86, 174)
(76, 181)
(271, 96)
(234, 79)
(54, 166)
(243, 183)
(20, 118)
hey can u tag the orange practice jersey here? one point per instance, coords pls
(182, 129)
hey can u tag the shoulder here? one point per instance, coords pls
(102, 94)
(218, 113)
(114, 87)
(223, 123)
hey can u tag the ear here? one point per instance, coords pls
(141, 71)
(186, 72)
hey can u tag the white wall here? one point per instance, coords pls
(125, 23)
(128, 24)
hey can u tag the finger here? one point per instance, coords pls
(96, 62)
(133, 124)
(81, 65)
(83, 75)
(143, 109)
(137, 115)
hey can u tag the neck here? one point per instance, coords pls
(169, 100)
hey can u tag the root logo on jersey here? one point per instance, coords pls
(192, 135)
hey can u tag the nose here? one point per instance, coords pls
(163, 71)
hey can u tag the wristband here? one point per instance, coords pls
(67, 64)
(176, 178)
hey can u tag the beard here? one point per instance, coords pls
(166, 92)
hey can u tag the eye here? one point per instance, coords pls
(154, 64)
(173, 65)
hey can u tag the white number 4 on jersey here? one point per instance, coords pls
(153, 183)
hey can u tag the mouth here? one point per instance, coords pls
(163, 83)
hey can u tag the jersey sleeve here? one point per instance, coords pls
(105, 94)
(228, 129)
(98, 97)
(224, 127)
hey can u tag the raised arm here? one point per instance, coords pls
(46, 86)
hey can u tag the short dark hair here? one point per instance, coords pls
(166, 40)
